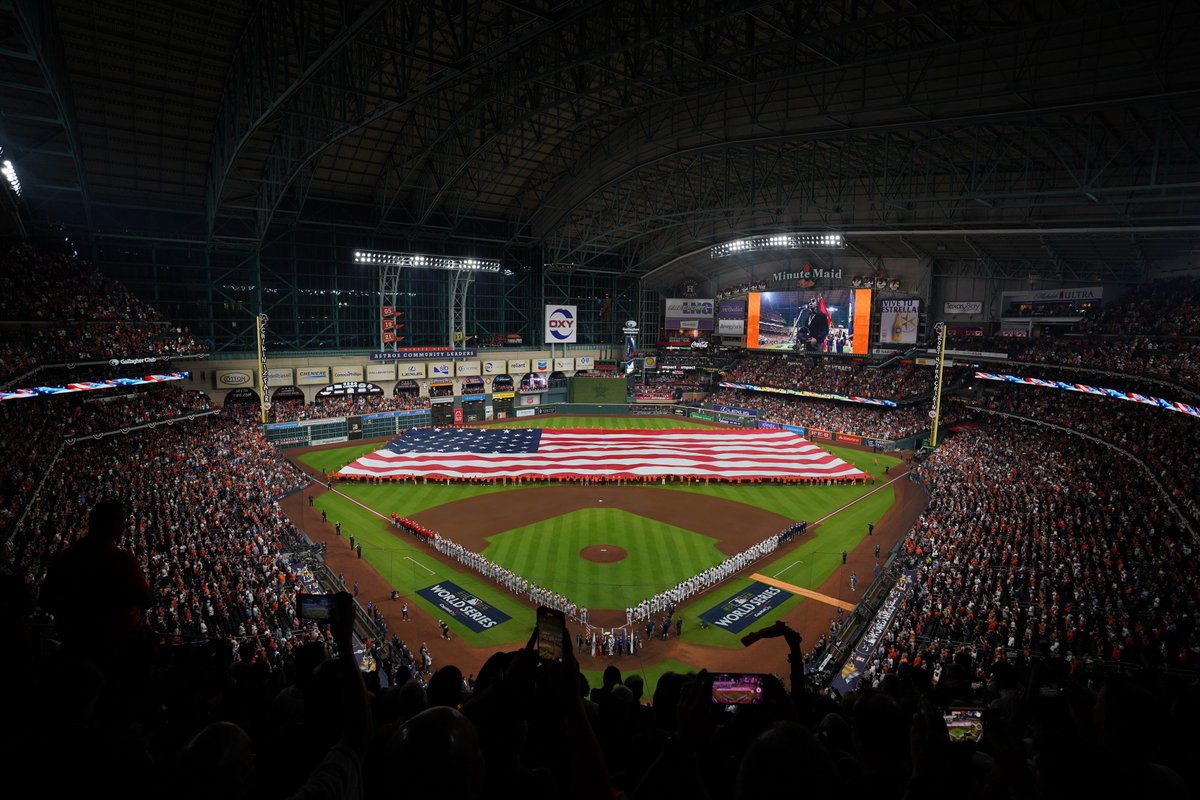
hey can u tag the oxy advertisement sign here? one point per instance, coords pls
(562, 323)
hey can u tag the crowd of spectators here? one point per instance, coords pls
(656, 393)
(1170, 359)
(834, 376)
(1043, 544)
(878, 422)
(1041, 560)
(1166, 440)
(1151, 332)
(328, 407)
(1163, 307)
(700, 359)
(60, 309)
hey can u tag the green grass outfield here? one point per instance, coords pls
(544, 553)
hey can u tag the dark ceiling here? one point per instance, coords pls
(1057, 137)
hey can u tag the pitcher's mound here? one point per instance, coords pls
(603, 553)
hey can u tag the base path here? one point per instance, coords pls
(723, 520)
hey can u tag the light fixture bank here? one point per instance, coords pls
(778, 241)
(420, 261)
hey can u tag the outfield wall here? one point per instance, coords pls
(335, 430)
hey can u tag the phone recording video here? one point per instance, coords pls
(964, 724)
(314, 606)
(738, 689)
(551, 631)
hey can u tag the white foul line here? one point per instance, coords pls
(785, 569)
(419, 564)
(857, 499)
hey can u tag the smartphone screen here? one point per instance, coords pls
(964, 724)
(551, 630)
(314, 606)
(737, 689)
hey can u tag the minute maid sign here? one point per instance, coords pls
(562, 323)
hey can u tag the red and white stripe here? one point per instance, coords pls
(567, 454)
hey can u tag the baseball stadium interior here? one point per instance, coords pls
(614, 400)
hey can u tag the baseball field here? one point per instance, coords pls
(605, 547)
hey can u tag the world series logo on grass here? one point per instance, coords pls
(754, 602)
(464, 606)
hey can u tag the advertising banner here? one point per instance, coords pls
(441, 369)
(404, 371)
(381, 372)
(745, 412)
(898, 320)
(466, 368)
(584, 362)
(847, 679)
(279, 377)
(463, 606)
(347, 372)
(963, 307)
(689, 313)
(503, 395)
(562, 323)
(564, 364)
(233, 378)
(849, 437)
(311, 376)
(732, 309)
(541, 365)
(494, 367)
(731, 327)
(814, 433)
(518, 366)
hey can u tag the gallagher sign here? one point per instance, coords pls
(561, 324)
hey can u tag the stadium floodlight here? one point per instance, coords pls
(10, 173)
(420, 261)
(778, 241)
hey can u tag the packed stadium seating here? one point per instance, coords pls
(1052, 586)
(830, 415)
(834, 376)
(1152, 332)
(61, 309)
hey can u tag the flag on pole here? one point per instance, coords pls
(569, 454)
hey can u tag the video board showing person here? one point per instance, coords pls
(811, 320)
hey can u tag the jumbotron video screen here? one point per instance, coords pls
(825, 321)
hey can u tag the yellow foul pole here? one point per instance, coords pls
(936, 413)
(264, 403)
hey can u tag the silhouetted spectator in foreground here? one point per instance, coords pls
(99, 596)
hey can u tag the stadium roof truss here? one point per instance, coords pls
(1055, 137)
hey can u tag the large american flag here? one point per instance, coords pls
(570, 454)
